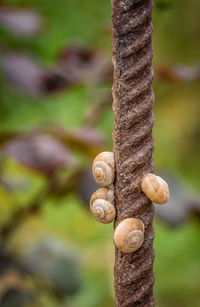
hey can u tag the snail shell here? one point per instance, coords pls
(103, 168)
(102, 205)
(155, 188)
(129, 235)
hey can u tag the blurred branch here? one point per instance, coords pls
(86, 138)
(57, 187)
(178, 73)
(76, 65)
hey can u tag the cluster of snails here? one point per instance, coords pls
(129, 233)
(102, 201)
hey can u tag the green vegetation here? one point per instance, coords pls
(176, 131)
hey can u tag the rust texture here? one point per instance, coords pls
(133, 143)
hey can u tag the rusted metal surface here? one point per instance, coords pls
(133, 143)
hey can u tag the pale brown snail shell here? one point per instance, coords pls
(129, 235)
(103, 168)
(102, 205)
(155, 188)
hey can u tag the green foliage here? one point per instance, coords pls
(178, 257)
(176, 131)
(163, 4)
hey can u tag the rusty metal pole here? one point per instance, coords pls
(133, 143)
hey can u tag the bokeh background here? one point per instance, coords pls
(55, 116)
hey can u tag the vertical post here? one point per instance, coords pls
(133, 143)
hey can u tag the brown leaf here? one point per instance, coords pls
(7, 136)
(76, 55)
(89, 136)
(83, 64)
(40, 152)
(76, 65)
(182, 202)
(88, 140)
(178, 73)
(21, 22)
(23, 72)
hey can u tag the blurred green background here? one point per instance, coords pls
(53, 252)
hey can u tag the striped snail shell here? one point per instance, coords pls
(103, 168)
(129, 235)
(102, 205)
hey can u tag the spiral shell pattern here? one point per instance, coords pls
(129, 235)
(133, 144)
(102, 205)
(103, 169)
(134, 240)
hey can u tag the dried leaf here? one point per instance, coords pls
(85, 65)
(86, 139)
(76, 65)
(53, 260)
(88, 136)
(23, 72)
(76, 55)
(7, 136)
(178, 73)
(40, 152)
(182, 202)
(23, 23)
(70, 69)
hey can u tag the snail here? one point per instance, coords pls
(103, 168)
(155, 188)
(129, 235)
(102, 205)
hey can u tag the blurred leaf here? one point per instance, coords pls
(24, 23)
(178, 73)
(39, 152)
(15, 284)
(85, 139)
(87, 186)
(16, 298)
(23, 72)
(8, 262)
(12, 184)
(77, 65)
(95, 291)
(11, 279)
(6, 136)
(8, 203)
(88, 136)
(177, 265)
(53, 260)
(76, 55)
(182, 202)
(162, 4)
(81, 64)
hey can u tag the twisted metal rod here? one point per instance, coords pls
(133, 143)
